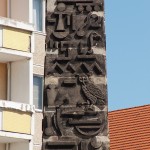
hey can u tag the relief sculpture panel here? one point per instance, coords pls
(75, 93)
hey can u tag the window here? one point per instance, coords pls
(37, 91)
(37, 14)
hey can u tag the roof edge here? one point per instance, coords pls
(129, 108)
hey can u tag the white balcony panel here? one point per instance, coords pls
(7, 55)
(8, 137)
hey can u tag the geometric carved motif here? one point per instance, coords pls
(75, 93)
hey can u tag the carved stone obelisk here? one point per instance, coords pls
(75, 93)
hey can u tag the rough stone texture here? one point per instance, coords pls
(51, 4)
(38, 70)
(75, 95)
(37, 138)
(39, 54)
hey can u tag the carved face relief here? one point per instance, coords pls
(83, 79)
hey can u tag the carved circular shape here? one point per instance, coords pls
(60, 35)
(96, 143)
(93, 16)
(80, 8)
(92, 131)
(48, 132)
(88, 8)
(96, 8)
(93, 19)
(61, 7)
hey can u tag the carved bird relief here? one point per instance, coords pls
(91, 91)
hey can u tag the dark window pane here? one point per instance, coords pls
(37, 91)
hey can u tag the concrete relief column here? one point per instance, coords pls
(75, 93)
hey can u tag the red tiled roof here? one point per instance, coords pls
(130, 128)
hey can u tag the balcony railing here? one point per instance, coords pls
(16, 117)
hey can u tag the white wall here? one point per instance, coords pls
(21, 81)
(2, 146)
(19, 10)
(19, 146)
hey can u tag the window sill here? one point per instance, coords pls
(38, 110)
(40, 32)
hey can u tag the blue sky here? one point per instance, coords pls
(128, 52)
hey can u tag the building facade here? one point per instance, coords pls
(22, 52)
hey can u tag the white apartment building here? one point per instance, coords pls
(22, 52)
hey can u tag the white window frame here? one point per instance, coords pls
(43, 16)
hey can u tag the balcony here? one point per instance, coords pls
(16, 121)
(16, 66)
(15, 40)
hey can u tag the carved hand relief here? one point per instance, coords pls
(75, 107)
